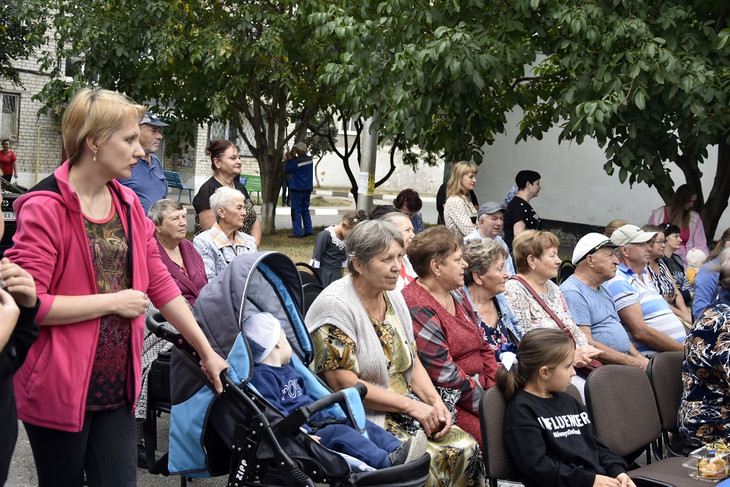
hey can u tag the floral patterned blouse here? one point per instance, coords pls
(531, 314)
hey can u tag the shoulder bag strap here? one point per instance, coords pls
(544, 305)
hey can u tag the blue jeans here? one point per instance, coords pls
(300, 212)
(373, 450)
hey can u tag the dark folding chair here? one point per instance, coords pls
(308, 274)
(665, 375)
(623, 409)
(497, 462)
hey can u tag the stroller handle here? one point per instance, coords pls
(156, 324)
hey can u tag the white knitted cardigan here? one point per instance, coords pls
(340, 306)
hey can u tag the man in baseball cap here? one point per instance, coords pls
(490, 222)
(591, 303)
(652, 325)
(148, 178)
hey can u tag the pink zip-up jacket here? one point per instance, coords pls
(51, 243)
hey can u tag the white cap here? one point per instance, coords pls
(630, 234)
(262, 331)
(301, 146)
(589, 244)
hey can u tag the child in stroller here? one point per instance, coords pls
(279, 383)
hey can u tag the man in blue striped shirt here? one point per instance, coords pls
(645, 314)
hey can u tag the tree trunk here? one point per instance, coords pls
(272, 174)
(717, 199)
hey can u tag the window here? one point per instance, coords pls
(10, 116)
(217, 130)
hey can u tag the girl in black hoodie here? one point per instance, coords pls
(544, 427)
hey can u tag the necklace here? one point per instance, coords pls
(447, 304)
(91, 210)
(381, 310)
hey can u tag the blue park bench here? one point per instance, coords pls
(252, 182)
(175, 181)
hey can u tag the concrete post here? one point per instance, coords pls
(366, 181)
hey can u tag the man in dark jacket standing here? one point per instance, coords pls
(301, 169)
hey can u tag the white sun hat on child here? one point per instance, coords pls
(262, 331)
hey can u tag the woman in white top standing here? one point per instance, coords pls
(460, 215)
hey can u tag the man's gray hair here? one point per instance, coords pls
(224, 198)
(159, 210)
(368, 239)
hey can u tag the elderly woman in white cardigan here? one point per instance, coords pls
(362, 332)
(224, 241)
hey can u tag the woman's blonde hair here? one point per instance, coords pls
(540, 347)
(531, 242)
(458, 171)
(612, 226)
(97, 114)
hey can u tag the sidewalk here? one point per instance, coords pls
(378, 199)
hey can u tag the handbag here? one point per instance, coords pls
(581, 371)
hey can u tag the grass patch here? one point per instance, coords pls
(324, 201)
(298, 249)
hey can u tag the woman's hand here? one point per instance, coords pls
(603, 481)
(584, 355)
(444, 425)
(625, 480)
(130, 303)
(18, 282)
(436, 421)
(212, 367)
(10, 311)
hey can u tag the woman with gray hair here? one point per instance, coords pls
(177, 253)
(224, 241)
(361, 330)
(703, 411)
(484, 280)
(405, 227)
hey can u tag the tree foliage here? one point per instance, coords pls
(202, 61)
(21, 31)
(647, 79)
(438, 74)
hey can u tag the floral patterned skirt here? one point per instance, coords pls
(456, 460)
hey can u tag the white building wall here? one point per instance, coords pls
(331, 173)
(574, 185)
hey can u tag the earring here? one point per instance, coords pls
(94, 159)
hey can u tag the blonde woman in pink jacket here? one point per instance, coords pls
(92, 253)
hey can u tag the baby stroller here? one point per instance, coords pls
(239, 433)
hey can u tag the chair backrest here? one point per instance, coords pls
(575, 393)
(311, 290)
(665, 375)
(621, 404)
(308, 274)
(565, 270)
(497, 460)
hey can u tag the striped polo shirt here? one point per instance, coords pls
(627, 289)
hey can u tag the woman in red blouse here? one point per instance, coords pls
(450, 343)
